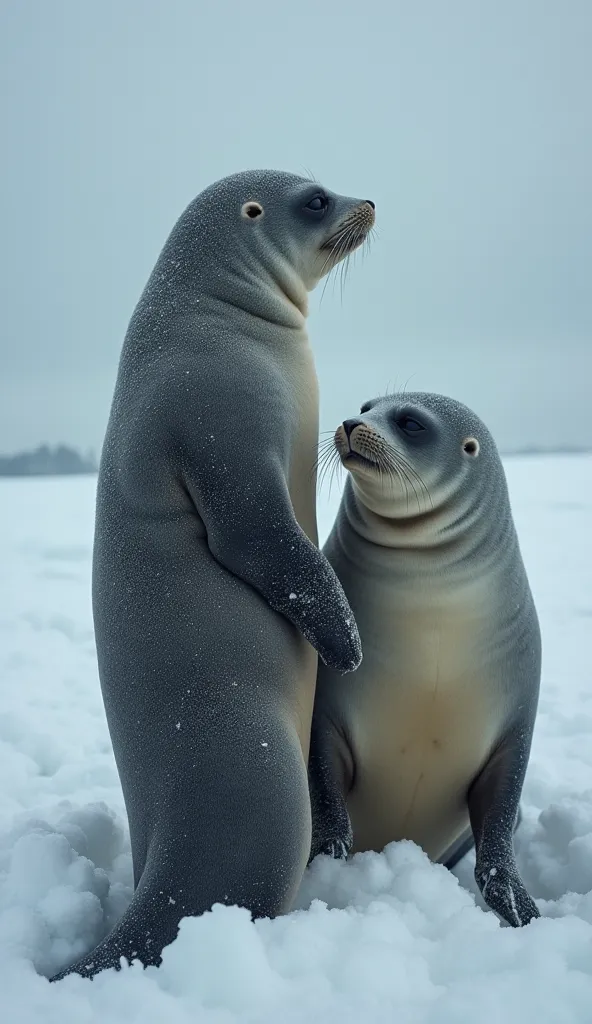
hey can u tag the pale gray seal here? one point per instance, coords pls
(431, 737)
(206, 574)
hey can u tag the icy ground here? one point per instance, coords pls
(388, 937)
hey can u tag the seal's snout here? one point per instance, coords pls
(362, 220)
(352, 231)
(349, 425)
(365, 214)
(358, 444)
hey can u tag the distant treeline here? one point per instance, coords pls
(59, 460)
(62, 460)
(559, 450)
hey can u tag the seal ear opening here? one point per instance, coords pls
(251, 210)
(471, 447)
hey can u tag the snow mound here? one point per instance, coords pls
(62, 886)
(385, 936)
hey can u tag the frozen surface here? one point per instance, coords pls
(387, 937)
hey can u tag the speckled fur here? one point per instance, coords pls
(431, 737)
(207, 581)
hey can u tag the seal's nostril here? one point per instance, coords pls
(370, 203)
(348, 426)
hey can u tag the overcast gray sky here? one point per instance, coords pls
(468, 123)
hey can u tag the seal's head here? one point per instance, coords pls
(411, 456)
(264, 230)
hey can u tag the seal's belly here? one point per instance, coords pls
(420, 737)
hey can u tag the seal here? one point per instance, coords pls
(211, 597)
(431, 738)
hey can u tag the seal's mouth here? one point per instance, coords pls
(351, 233)
(352, 458)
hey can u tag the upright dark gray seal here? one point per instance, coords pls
(208, 586)
(431, 738)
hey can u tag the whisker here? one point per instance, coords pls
(391, 469)
(343, 277)
(413, 487)
(392, 462)
(333, 254)
(323, 452)
(410, 473)
(421, 483)
(337, 252)
(335, 477)
(329, 439)
(343, 246)
(327, 442)
(326, 457)
(349, 259)
(336, 470)
(370, 237)
(321, 456)
(322, 473)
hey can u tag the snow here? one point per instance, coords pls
(384, 937)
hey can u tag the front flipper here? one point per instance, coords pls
(253, 532)
(329, 767)
(504, 891)
(494, 811)
(464, 845)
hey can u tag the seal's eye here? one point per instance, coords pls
(410, 426)
(252, 210)
(471, 447)
(317, 204)
(366, 407)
